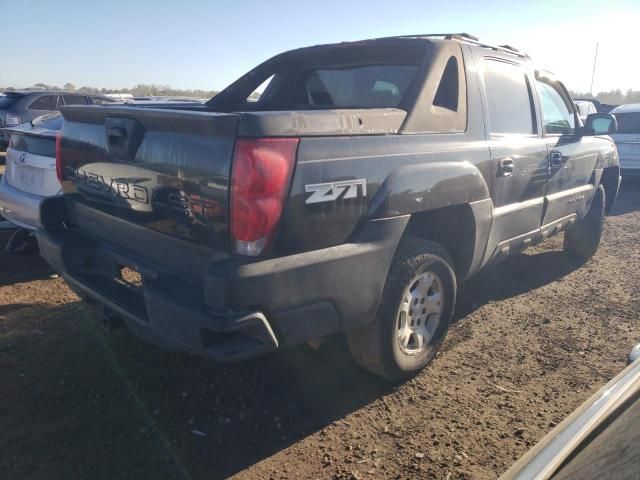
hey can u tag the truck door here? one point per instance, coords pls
(518, 154)
(571, 157)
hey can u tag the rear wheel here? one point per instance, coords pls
(414, 313)
(582, 239)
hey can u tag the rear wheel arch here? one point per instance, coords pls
(452, 227)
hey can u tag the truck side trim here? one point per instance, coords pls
(306, 123)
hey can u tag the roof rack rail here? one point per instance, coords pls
(509, 47)
(468, 38)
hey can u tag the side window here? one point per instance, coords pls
(508, 98)
(447, 93)
(46, 102)
(441, 106)
(256, 95)
(74, 99)
(557, 115)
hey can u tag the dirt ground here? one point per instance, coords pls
(533, 338)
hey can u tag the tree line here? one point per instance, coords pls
(140, 90)
(612, 97)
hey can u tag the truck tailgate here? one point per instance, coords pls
(162, 169)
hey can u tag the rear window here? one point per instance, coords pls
(7, 100)
(628, 122)
(50, 121)
(370, 86)
(74, 100)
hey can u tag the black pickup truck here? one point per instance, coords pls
(362, 186)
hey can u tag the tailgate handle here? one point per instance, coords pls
(116, 136)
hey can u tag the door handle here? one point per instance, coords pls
(505, 167)
(556, 159)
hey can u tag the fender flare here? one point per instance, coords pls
(422, 187)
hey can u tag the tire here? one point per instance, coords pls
(582, 239)
(405, 336)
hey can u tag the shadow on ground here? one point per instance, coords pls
(108, 406)
(19, 268)
(78, 403)
(514, 276)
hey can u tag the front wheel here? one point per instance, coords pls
(414, 314)
(582, 239)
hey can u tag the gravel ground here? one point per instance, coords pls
(533, 338)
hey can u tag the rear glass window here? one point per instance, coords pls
(447, 93)
(74, 100)
(51, 121)
(7, 100)
(370, 86)
(256, 95)
(46, 102)
(628, 122)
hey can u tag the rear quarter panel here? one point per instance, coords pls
(403, 174)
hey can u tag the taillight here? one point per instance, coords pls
(260, 178)
(59, 156)
(12, 120)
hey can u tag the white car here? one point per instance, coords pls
(585, 108)
(627, 139)
(30, 173)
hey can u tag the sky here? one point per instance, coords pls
(206, 45)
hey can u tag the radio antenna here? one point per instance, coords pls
(593, 74)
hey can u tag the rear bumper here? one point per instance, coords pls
(239, 309)
(20, 208)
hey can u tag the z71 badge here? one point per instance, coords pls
(329, 192)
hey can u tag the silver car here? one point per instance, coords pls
(585, 108)
(628, 139)
(30, 173)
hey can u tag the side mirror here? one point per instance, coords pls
(600, 124)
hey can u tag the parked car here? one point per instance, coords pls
(22, 106)
(585, 108)
(367, 181)
(627, 138)
(29, 177)
(600, 107)
(166, 99)
(601, 439)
